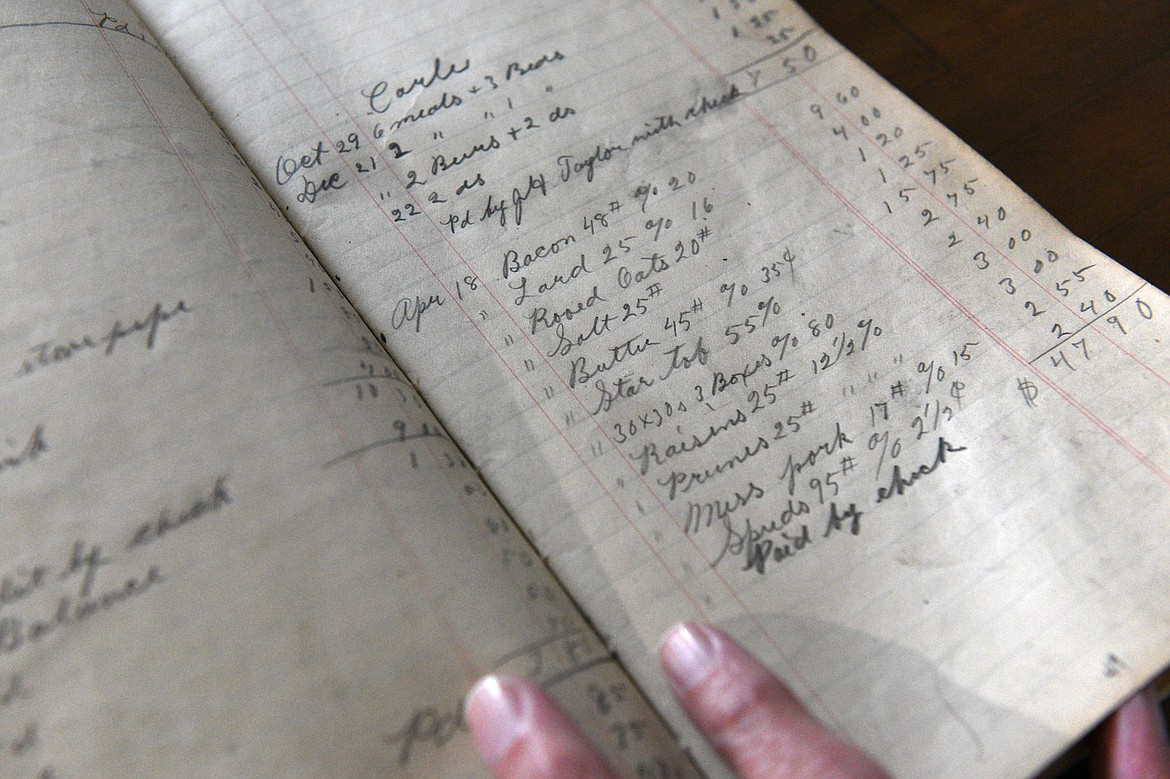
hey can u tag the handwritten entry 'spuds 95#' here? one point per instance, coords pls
(353, 350)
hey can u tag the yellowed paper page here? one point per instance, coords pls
(235, 541)
(739, 334)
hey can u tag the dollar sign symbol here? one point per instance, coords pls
(1029, 391)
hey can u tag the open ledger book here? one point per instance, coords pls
(394, 343)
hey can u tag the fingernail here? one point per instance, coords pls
(689, 653)
(504, 716)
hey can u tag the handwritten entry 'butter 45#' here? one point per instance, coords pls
(728, 326)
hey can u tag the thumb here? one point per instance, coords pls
(752, 719)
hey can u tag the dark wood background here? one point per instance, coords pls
(1069, 98)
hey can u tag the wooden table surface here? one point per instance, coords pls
(1069, 98)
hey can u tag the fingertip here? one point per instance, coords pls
(499, 711)
(688, 653)
(755, 722)
(522, 734)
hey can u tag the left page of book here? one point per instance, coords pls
(198, 575)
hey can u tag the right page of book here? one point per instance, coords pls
(739, 334)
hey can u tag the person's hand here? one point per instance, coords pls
(750, 717)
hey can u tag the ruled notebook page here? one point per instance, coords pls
(739, 334)
(235, 541)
